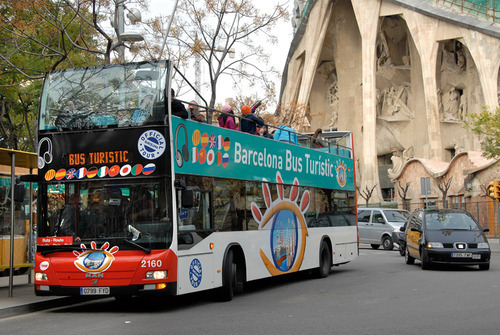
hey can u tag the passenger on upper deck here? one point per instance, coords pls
(195, 112)
(317, 141)
(285, 134)
(122, 119)
(143, 111)
(249, 122)
(225, 120)
(178, 108)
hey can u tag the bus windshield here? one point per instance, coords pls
(96, 97)
(107, 211)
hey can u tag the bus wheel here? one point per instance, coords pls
(325, 260)
(226, 292)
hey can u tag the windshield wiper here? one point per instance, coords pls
(68, 248)
(146, 250)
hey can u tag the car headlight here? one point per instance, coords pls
(483, 245)
(434, 245)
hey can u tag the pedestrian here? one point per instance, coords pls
(249, 122)
(317, 141)
(195, 112)
(285, 134)
(226, 120)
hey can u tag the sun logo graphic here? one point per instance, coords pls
(284, 218)
(341, 169)
(95, 260)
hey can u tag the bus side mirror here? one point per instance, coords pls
(187, 198)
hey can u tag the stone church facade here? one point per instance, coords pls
(403, 76)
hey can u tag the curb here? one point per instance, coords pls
(35, 306)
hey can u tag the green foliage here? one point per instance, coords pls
(37, 36)
(487, 124)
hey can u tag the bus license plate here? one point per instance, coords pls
(461, 254)
(94, 290)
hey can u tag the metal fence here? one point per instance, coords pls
(482, 9)
(486, 213)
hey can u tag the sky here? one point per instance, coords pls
(278, 52)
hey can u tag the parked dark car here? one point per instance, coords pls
(446, 236)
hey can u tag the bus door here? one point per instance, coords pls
(195, 256)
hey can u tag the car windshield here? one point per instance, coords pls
(396, 216)
(449, 221)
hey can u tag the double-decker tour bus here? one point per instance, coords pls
(133, 200)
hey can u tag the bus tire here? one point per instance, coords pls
(226, 292)
(325, 260)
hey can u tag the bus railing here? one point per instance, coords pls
(338, 142)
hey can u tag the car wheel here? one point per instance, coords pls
(401, 249)
(408, 258)
(425, 264)
(375, 246)
(387, 243)
(484, 266)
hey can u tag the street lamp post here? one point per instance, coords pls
(119, 24)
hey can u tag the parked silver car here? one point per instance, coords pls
(380, 226)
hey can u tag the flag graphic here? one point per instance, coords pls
(136, 170)
(148, 169)
(60, 174)
(114, 171)
(219, 158)
(225, 159)
(81, 173)
(125, 170)
(195, 155)
(227, 144)
(103, 171)
(210, 157)
(202, 156)
(49, 175)
(71, 173)
(92, 172)
(220, 142)
(204, 140)
(212, 141)
(196, 137)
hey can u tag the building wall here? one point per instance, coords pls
(402, 81)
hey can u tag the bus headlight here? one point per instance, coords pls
(40, 276)
(156, 274)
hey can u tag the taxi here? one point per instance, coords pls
(446, 236)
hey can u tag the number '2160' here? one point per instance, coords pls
(151, 263)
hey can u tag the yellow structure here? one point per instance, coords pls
(12, 163)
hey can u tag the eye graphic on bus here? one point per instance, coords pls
(95, 260)
(288, 227)
(341, 169)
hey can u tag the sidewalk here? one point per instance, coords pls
(25, 301)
